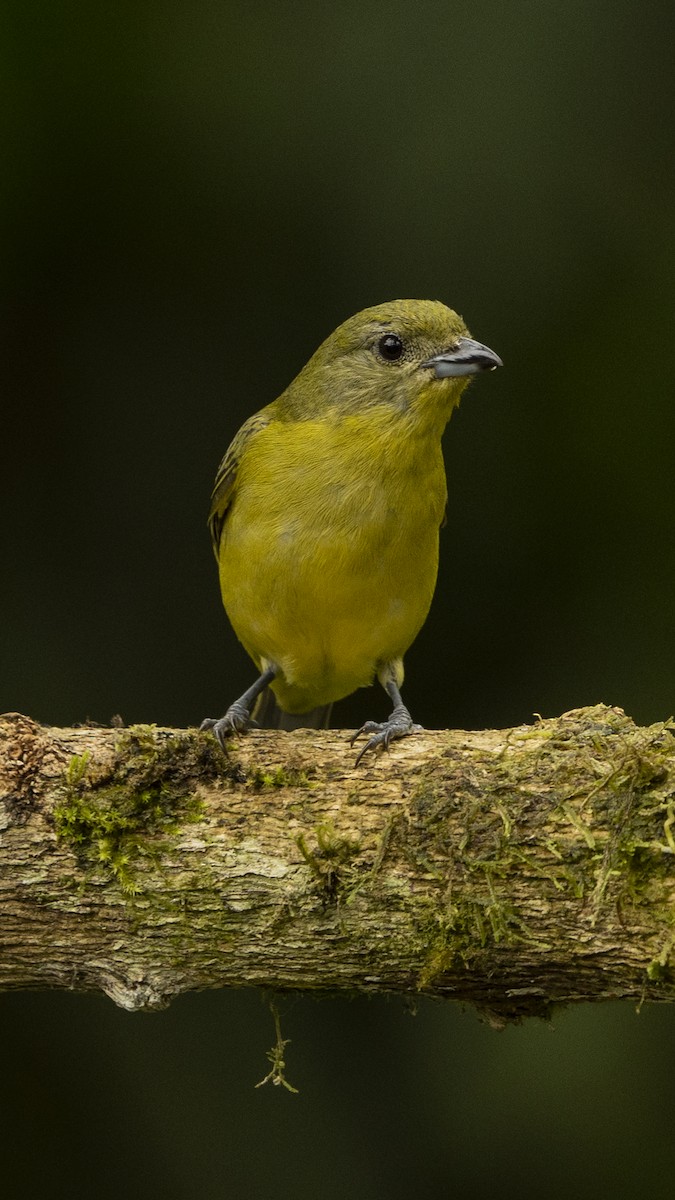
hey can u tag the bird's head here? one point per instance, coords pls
(414, 355)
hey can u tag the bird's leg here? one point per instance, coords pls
(399, 725)
(238, 715)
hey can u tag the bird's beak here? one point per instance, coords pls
(466, 357)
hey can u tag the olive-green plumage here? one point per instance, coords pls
(327, 506)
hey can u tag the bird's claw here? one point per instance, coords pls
(236, 720)
(399, 725)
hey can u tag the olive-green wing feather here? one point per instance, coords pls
(226, 479)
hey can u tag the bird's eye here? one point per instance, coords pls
(390, 347)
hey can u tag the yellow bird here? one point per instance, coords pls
(326, 511)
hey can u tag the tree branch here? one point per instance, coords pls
(508, 868)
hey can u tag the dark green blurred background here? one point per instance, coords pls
(194, 195)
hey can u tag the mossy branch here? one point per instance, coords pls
(512, 869)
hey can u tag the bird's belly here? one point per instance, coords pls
(328, 599)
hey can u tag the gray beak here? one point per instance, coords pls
(465, 358)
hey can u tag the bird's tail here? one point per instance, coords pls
(268, 715)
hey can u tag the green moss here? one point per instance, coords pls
(478, 916)
(77, 768)
(117, 816)
(279, 777)
(668, 825)
(331, 860)
(580, 826)
(657, 972)
(457, 934)
(614, 839)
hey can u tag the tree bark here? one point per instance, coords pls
(513, 869)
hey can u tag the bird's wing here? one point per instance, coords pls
(226, 479)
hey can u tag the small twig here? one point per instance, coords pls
(276, 1055)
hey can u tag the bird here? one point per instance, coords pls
(325, 517)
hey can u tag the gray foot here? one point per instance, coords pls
(399, 725)
(236, 720)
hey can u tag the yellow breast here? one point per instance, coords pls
(329, 554)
